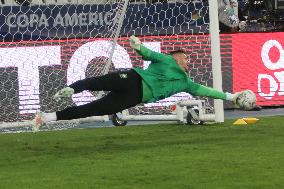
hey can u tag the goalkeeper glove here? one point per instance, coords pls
(64, 93)
(135, 43)
(236, 98)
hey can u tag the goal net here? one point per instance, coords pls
(49, 45)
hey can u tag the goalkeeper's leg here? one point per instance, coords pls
(110, 104)
(126, 92)
(116, 81)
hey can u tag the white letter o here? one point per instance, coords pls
(87, 52)
(265, 55)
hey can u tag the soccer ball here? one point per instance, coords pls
(246, 100)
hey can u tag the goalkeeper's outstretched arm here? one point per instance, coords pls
(200, 90)
(146, 53)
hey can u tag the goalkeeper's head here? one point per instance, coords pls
(181, 58)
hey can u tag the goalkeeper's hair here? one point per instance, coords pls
(177, 51)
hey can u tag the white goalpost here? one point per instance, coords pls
(216, 58)
(47, 46)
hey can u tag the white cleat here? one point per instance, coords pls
(64, 93)
(38, 121)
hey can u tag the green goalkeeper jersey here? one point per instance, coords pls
(164, 77)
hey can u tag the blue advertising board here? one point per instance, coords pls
(83, 21)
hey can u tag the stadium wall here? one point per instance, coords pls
(41, 22)
(48, 37)
(249, 61)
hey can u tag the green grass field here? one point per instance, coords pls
(156, 156)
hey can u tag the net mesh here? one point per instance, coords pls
(49, 46)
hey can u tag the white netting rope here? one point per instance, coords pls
(54, 57)
(31, 72)
(187, 29)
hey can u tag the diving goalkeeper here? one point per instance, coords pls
(165, 76)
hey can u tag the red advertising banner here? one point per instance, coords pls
(258, 64)
(32, 71)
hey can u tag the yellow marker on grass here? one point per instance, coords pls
(245, 121)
